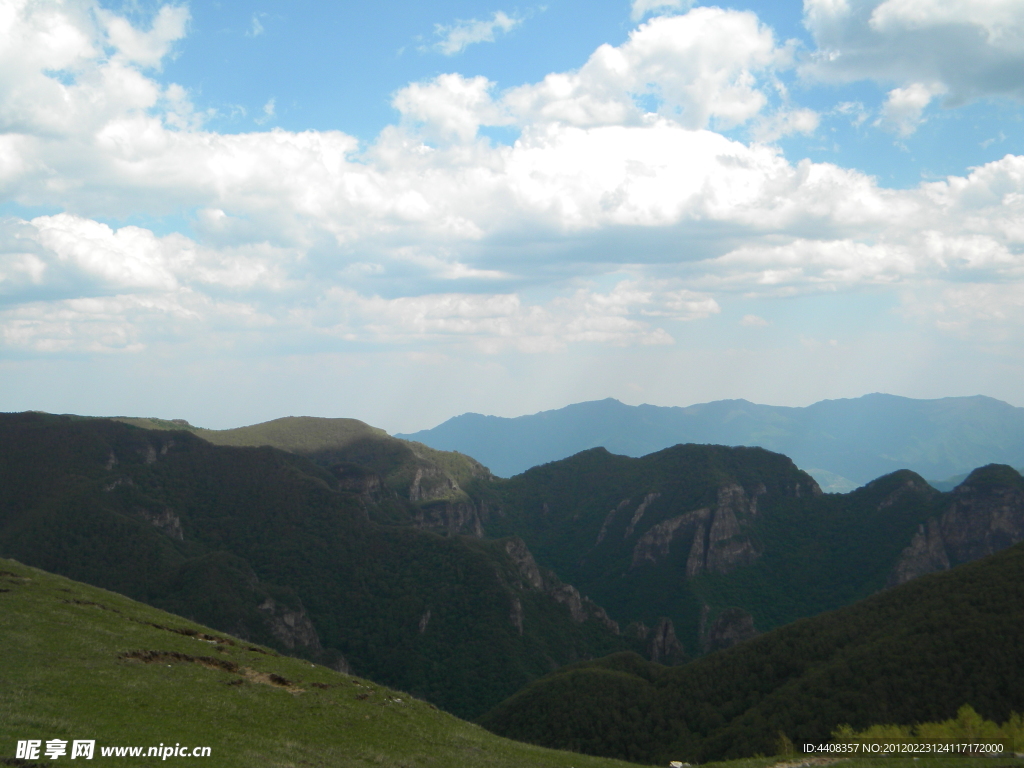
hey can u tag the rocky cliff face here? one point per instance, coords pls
(432, 483)
(664, 647)
(166, 521)
(985, 515)
(356, 479)
(733, 625)
(717, 539)
(455, 517)
(292, 627)
(580, 608)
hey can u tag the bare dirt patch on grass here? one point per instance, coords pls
(223, 665)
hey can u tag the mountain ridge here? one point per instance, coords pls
(854, 439)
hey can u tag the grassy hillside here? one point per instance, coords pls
(82, 663)
(912, 654)
(268, 545)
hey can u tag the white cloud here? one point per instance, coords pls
(904, 107)
(455, 37)
(968, 48)
(146, 49)
(1001, 20)
(853, 110)
(992, 312)
(753, 321)
(786, 122)
(642, 8)
(269, 109)
(256, 26)
(450, 106)
(435, 233)
(701, 68)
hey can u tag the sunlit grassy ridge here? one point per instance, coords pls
(350, 440)
(79, 662)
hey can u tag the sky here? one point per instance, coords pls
(233, 211)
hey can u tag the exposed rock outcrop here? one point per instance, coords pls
(654, 545)
(580, 608)
(432, 483)
(455, 517)
(523, 558)
(985, 515)
(733, 625)
(356, 479)
(638, 515)
(569, 596)
(715, 537)
(516, 614)
(926, 554)
(608, 521)
(291, 627)
(166, 521)
(664, 647)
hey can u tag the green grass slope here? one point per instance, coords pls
(912, 654)
(79, 662)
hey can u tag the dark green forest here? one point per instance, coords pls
(913, 654)
(212, 533)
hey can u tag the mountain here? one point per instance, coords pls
(843, 443)
(83, 663)
(443, 487)
(685, 551)
(697, 547)
(272, 547)
(911, 654)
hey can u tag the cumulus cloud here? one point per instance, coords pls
(701, 69)
(904, 107)
(146, 49)
(434, 232)
(456, 37)
(965, 49)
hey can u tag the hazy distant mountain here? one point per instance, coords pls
(842, 443)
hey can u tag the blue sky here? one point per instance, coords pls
(233, 211)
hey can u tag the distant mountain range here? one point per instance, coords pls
(842, 443)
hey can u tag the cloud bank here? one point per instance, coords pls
(620, 210)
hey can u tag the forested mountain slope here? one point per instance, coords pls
(272, 547)
(911, 654)
(726, 542)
